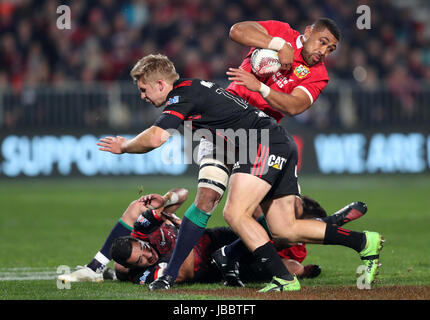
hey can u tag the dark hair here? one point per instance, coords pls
(329, 24)
(312, 209)
(121, 249)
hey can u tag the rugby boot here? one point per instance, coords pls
(370, 255)
(82, 274)
(349, 213)
(280, 285)
(165, 282)
(229, 269)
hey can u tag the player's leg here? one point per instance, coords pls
(213, 178)
(245, 193)
(269, 172)
(93, 271)
(283, 224)
(227, 258)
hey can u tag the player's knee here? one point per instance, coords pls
(207, 199)
(213, 179)
(232, 216)
(229, 217)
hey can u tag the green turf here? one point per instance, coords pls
(45, 223)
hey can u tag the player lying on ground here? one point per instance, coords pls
(253, 181)
(160, 243)
(141, 259)
(93, 271)
(138, 259)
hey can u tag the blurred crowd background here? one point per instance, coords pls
(107, 37)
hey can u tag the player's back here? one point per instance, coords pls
(210, 106)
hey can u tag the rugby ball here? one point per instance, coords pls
(265, 62)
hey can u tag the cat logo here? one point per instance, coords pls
(276, 162)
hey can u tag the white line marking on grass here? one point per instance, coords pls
(28, 273)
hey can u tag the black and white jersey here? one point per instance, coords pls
(268, 150)
(210, 107)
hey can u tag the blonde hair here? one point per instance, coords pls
(154, 67)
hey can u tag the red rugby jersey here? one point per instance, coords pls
(311, 79)
(297, 252)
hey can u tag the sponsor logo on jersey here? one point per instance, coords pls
(207, 84)
(173, 100)
(261, 114)
(301, 71)
(280, 80)
(276, 162)
(145, 275)
(236, 166)
(143, 221)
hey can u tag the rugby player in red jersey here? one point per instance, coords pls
(303, 75)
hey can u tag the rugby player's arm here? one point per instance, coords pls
(290, 104)
(253, 34)
(250, 33)
(146, 141)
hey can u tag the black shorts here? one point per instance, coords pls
(275, 163)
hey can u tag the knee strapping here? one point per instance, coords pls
(213, 174)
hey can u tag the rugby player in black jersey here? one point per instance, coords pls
(141, 257)
(269, 178)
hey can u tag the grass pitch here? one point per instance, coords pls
(46, 223)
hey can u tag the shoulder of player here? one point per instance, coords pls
(267, 24)
(181, 85)
(185, 87)
(281, 29)
(183, 90)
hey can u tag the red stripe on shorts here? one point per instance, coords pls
(256, 159)
(266, 154)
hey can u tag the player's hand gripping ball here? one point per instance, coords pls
(265, 62)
